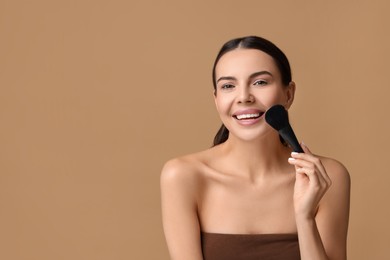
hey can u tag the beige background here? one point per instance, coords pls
(96, 95)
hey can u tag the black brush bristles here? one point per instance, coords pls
(277, 117)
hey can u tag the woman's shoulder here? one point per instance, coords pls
(335, 168)
(186, 169)
(339, 176)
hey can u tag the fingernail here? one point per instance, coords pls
(291, 159)
(294, 153)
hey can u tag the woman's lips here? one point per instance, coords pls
(248, 116)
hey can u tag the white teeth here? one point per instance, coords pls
(244, 116)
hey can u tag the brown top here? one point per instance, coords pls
(250, 247)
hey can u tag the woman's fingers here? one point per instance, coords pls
(309, 169)
(308, 160)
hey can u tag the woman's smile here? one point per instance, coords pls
(248, 116)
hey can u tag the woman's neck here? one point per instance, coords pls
(256, 158)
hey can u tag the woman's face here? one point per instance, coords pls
(248, 82)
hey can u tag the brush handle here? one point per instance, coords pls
(288, 135)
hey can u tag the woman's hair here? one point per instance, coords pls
(258, 43)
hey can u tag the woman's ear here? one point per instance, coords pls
(290, 92)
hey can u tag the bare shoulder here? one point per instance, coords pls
(336, 170)
(182, 172)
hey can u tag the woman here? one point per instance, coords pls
(250, 196)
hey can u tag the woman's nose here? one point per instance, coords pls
(245, 96)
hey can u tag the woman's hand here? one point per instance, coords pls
(311, 183)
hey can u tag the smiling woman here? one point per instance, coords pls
(252, 43)
(249, 196)
(243, 77)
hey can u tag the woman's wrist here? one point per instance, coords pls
(302, 218)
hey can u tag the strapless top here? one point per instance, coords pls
(250, 246)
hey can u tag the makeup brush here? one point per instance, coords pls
(277, 117)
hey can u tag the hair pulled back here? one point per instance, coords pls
(251, 42)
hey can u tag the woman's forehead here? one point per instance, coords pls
(245, 61)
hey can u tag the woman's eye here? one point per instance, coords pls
(227, 86)
(260, 83)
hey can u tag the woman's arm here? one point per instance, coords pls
(179, 210)
(321, 201)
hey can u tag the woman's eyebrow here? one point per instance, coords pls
(259, 73)
(226, 78)
(255, 74)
